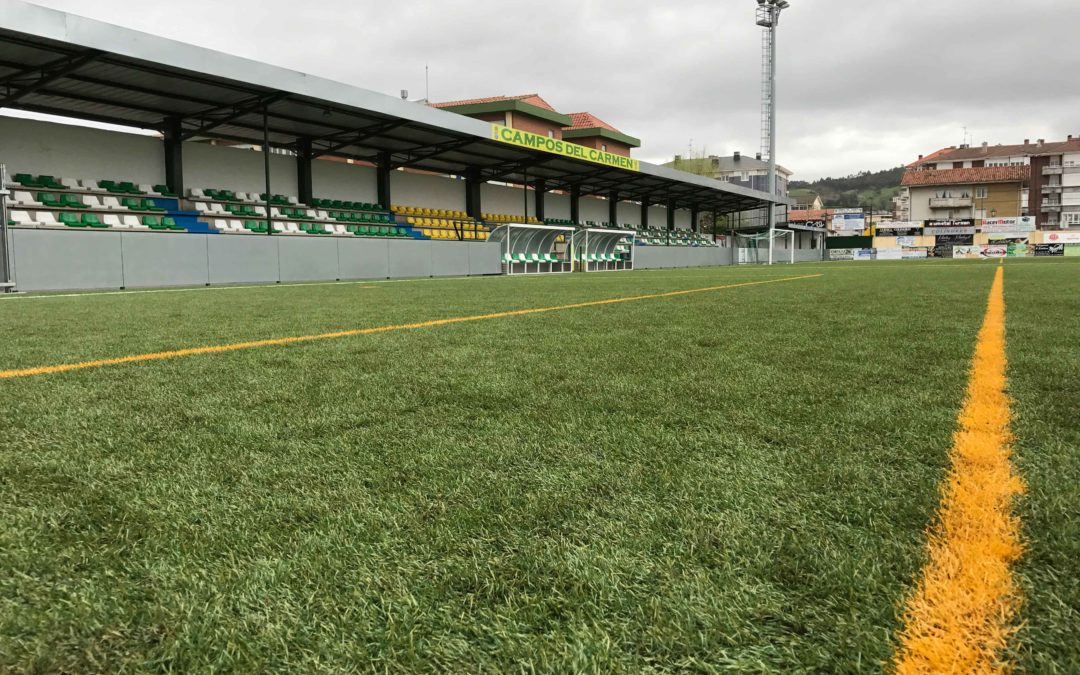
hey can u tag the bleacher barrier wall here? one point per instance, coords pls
(49, 260)
(658, 257)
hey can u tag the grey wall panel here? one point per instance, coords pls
(242, 259)
(658, 257)
(485, 258)
(307, 258)
(363, 258)
(449, 259)
(409, 258)
(53, 260)
(164, 259)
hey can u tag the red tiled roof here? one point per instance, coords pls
(585, 120)
(954, 154)
(932, 156)
(987, 174)
(531, 99)
(811, 214)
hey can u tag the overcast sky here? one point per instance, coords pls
(862, 84)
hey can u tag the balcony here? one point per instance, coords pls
(1052, 170)
(1051, 189)
(1048, 205)
(950, 202)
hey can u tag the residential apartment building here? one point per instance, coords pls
(750, 172)
(1031, 179)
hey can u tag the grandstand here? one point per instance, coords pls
(392, 188)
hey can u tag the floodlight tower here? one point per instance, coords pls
(768, 17)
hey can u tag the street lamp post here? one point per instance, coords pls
(768, 17)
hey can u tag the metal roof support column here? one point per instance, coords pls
(382, 178)
(715, 224)
(575, 203)
(694, 219)
(645, 211)
(613, 207)
(303, 171)
(473, 206)
(539, 191)
(174, 156)
(671, 214)
(266, 168)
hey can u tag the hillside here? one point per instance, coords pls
(869, 189)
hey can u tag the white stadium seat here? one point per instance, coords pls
(196, 193)
(149, 189)
(292, 228)
(339, 229)
(21, 217)
(113, 203)
(91, 201)
(278, 227)
(25, 199)
(113, 220)
(133, 223)
(217, 208)
(201, 207)
(71, 183)
(46, 218)
(261, 210)
(91, 185)
(236, 226)
(292, 200)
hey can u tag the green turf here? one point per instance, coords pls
(733, 479)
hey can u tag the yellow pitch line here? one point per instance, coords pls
(963, 610)
(217, 349)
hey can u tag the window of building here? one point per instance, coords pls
(551, 134)
(603, 146)
(980, 193)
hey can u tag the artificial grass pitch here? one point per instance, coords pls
(732, 479)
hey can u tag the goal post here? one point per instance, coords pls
(760, 248)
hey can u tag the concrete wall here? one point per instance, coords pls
(55, 259)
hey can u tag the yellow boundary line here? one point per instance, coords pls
(963, 610)
(236, 346)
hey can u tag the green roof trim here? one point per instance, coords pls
(603, 133)
(512, 106)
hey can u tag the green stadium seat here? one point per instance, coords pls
(51, 182)
(170, 223)
(132, 203)
(49, 199)
(91, 220)
(255, 225)
(26, 180)
(164, 191)
(71, 202)
(129, 188)
(150, 205)
(153, 222)
(70, 219)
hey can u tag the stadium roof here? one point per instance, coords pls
(63, 64)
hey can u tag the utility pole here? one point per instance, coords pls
(768, 17)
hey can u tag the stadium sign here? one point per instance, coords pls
(841, 254)
(808, 225)
(960, 226)
(1049, 249)
(844, 220)
(1061, 237)
(897, 228)
(524, 139)
(1006, 225)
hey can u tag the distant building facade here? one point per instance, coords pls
(1037, 179)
